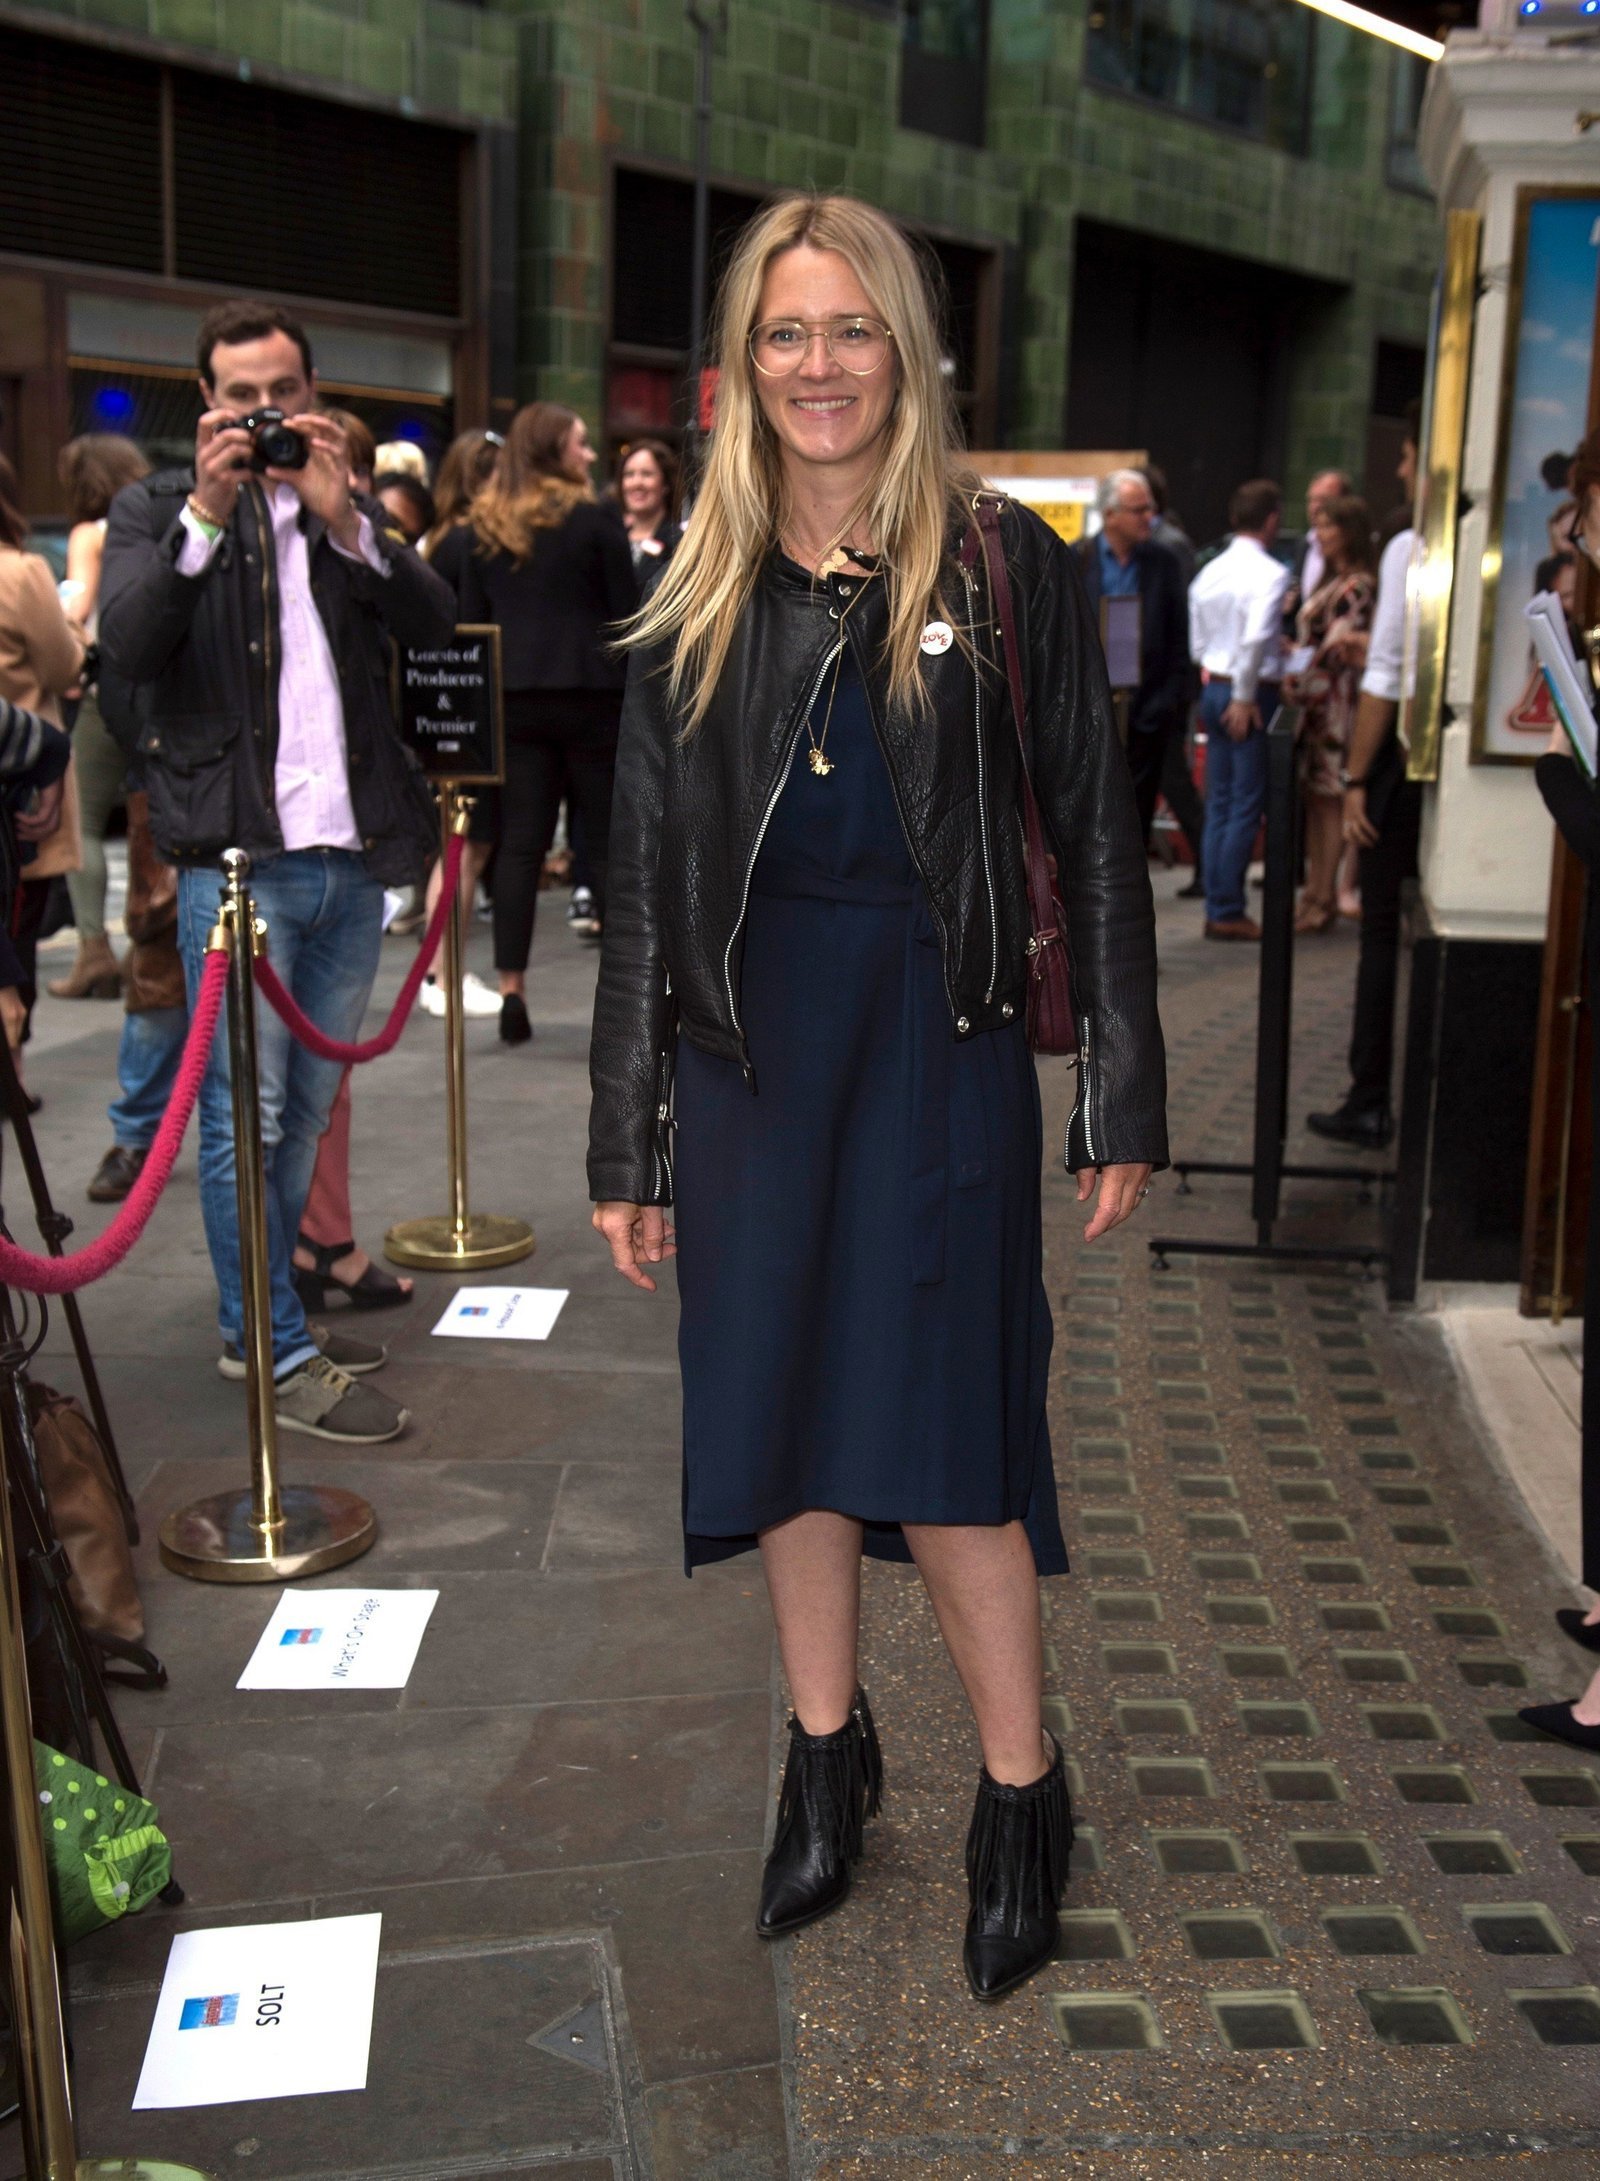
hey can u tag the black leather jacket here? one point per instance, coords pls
(195, 660)
(690, 814)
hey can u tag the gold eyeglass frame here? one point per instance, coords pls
(811, 332)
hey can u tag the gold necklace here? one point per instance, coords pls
(819, 761)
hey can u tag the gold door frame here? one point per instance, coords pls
(1431, 577)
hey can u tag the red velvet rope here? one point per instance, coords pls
(61, 1275)
(272, 988)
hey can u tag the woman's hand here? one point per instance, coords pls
(40, 822)
(638, 1235)
(1122, 1190)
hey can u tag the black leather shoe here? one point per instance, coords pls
(515, 1028)
(1017, 1854)
(832, 1784)
(1561, 1721)
(1369, 1128)
(116, 1175)
(1570, 1621)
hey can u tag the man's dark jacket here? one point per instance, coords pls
(691, 811)
(1163, 689)
(202, 653)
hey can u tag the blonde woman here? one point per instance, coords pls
(816, 871)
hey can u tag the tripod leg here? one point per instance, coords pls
(97, 1411)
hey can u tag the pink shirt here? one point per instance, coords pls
(312, 779)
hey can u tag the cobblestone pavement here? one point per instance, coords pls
(1302, 1596)
(1330, 1909)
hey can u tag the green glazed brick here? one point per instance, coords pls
(194, 22)
(253, 29)
(673, 75)
(315, 44)
(379, 61)
(793, 55)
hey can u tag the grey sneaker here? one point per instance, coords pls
(354, 1357)
(323, 1401)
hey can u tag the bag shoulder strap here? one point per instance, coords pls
(983, 536)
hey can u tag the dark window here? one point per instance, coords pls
(1186, 354)
(944, 54)
(311, 198)
(653, 254)
(1408, 80)
(1245, 64)
(80, 175)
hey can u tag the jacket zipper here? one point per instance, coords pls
(911, 847)
(761, 834)
(661, 1161)
(983, 795)
(1086, 1093)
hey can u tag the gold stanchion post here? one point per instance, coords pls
(459, 1240)
(273, 1532)
(44, 2084)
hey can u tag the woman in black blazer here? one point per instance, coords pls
(542, 559)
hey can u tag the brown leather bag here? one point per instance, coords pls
(152, 969)
(87, 1518)
(1051, 1027)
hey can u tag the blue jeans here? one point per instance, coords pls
(324, 919)
(147, 1063)
(1236, 795)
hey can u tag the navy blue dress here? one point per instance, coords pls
(864, 1325)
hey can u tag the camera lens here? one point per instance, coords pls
(279, 447)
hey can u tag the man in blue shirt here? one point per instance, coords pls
(1123, 561)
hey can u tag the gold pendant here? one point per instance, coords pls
(836, 560)
(820, 764)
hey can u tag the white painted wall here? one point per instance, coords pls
(1498, 115)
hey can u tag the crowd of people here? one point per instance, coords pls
(219, 648)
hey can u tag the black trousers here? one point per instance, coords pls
(561, 746)
(1183, 797)
(1147, 754)
(1385, 869)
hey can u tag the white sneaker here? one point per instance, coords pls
(476, 998)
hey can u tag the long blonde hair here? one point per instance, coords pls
(527, 490)
(743, 506)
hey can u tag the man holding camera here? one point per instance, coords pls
(251, 602)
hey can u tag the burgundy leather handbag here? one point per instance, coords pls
(1051, 1028)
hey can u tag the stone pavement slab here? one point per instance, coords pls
(560, 1818)
(1329, 1910)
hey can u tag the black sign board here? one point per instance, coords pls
(449, 708)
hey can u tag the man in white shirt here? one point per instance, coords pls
(1383, 819)
(1235, 638)
(250, 604)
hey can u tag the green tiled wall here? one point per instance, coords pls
(431, 56)
(806, 96)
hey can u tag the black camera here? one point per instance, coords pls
(274, 442)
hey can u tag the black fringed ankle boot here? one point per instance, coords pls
(1016, 1874)
(832, 1784)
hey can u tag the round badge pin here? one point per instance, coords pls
(937, 637)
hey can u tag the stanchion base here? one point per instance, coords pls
(214, 1541)
(434, 1245)
(137, 2169)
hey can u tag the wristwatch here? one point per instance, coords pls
(1351, 779)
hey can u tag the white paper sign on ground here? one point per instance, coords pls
(503, 1313)
(340, 1639)
(263, 2011)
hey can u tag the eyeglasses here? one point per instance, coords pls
(857, 345)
